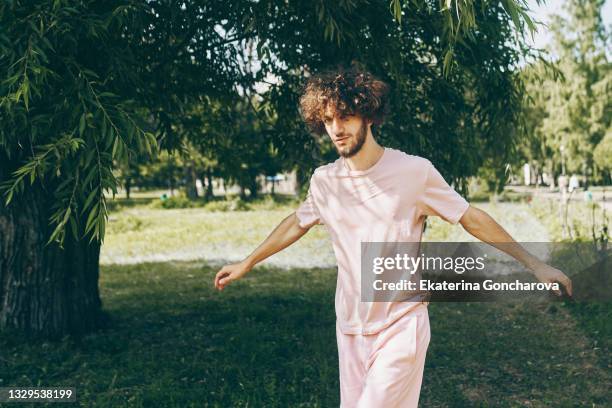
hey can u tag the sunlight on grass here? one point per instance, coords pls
(140, 233)
(516, 218)
(143, 234)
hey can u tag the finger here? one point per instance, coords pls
(220, 274)
(569, 287)
(217, 278)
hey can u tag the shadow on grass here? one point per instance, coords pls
(269, 340)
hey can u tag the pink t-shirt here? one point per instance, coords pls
(387, 202)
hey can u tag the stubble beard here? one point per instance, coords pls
(350, 151)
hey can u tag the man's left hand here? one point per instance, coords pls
(547, 274)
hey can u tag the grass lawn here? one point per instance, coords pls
(269, 339)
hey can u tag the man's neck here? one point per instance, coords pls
(368, 156)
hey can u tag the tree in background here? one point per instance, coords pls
(467, 112)
(129, 172)
(533, 145)
(570, 108)
(165, 171)
(602, 155)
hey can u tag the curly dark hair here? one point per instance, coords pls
(347, 91)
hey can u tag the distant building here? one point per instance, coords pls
(527, 174)
(283, 183)
(574, 183)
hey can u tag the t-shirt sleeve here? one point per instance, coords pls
(439, 198)
(307, 212)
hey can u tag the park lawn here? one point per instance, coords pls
(269, 340)
(140, 233)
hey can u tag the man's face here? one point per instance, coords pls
(347, 133)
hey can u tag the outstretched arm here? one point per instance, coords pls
(482, 226)
(285, 234)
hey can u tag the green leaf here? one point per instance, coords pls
(66, 216)
(115, 147)
(64, 183)
(90, 73)
(9, 197)
(448, 56)
(89, 224)
(26, 93)
(93, 170)
(11, 80)
(102, 223)
(55, 234)
(89, 199)
(74, 228)
(396, 9)
(82, 123)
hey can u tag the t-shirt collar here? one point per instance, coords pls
(370, 169)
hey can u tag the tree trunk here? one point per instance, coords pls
(47, 291)
(553, 178)
(253, 188)
(300, 180)
(171, 186)
(209, 185)
(190, 182)
(128, 185)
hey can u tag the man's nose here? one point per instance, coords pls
(337, 126)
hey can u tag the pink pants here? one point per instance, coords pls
(385, 369)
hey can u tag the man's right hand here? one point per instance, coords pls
(230, 273)
(285, 233)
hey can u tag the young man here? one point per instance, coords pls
(374, 194)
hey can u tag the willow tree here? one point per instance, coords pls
(82, 81)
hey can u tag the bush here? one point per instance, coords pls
(174, 202)
(235, 204)
(229, 203)
(274, 202)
